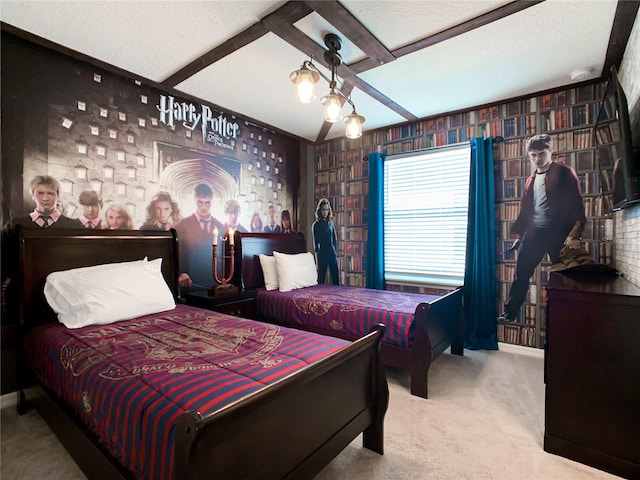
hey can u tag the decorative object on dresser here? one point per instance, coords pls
(319, 392)
(419, 327)
(592, 371)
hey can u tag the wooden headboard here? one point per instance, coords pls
(42, 251)
(253, 244)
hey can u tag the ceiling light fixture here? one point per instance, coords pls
(308, 75)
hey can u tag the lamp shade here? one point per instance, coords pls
(354, 125)
(332, 107)
(305, 81)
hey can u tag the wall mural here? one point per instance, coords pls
(127, 144)
(129, 155)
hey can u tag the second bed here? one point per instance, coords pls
(419, 327)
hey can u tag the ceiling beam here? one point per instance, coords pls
(245, 37)
(623, 20)
(383, 99)
(284, 29)
(464, 27)
(290, 12)
(350, 27)
(324, 131)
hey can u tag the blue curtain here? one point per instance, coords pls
(375, 228)
(480, 292)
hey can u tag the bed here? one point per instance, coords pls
(313, 395)
(419, 327)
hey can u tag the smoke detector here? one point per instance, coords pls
(580, 74)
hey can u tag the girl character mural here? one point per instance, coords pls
(116, 217)
(325, 242)
(256, 223)
(162, 213)
(285, 222)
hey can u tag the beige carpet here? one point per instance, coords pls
(484, 420)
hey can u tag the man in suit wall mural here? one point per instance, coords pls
(45, 192)
(195, 234)
(91, 203)
(272, 225)
(232, 211)
(550, 207)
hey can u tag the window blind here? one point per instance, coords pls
(426, 198)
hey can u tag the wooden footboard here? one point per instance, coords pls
(438, 326)
(293, 428)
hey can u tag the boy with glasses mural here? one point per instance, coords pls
(550, 207)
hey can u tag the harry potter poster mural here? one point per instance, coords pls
(141, 156)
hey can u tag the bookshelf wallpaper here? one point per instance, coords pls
(568, 116)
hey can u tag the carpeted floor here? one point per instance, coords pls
(484, 420)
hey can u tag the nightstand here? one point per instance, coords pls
(240, 305)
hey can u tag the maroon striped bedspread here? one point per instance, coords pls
(344, 310)
(131, 380)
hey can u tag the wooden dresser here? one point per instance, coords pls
(592, 371)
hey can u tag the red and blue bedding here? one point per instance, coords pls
(130, 381)
(348, 311)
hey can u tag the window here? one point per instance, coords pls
(66, 186)
(426, 198)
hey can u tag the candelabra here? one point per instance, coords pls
(224, 287)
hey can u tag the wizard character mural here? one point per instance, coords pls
(116, 152)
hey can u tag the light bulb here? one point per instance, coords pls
(354, 125)
(332, 107)
(305, 81)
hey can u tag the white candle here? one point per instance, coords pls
(231, 239)
(215, 236)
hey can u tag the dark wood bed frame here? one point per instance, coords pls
(290, 429)
(438, 324)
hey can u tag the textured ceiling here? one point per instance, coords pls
(402, 60)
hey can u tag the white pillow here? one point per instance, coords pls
(295, 271)
(108, 293)
(269, 272)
